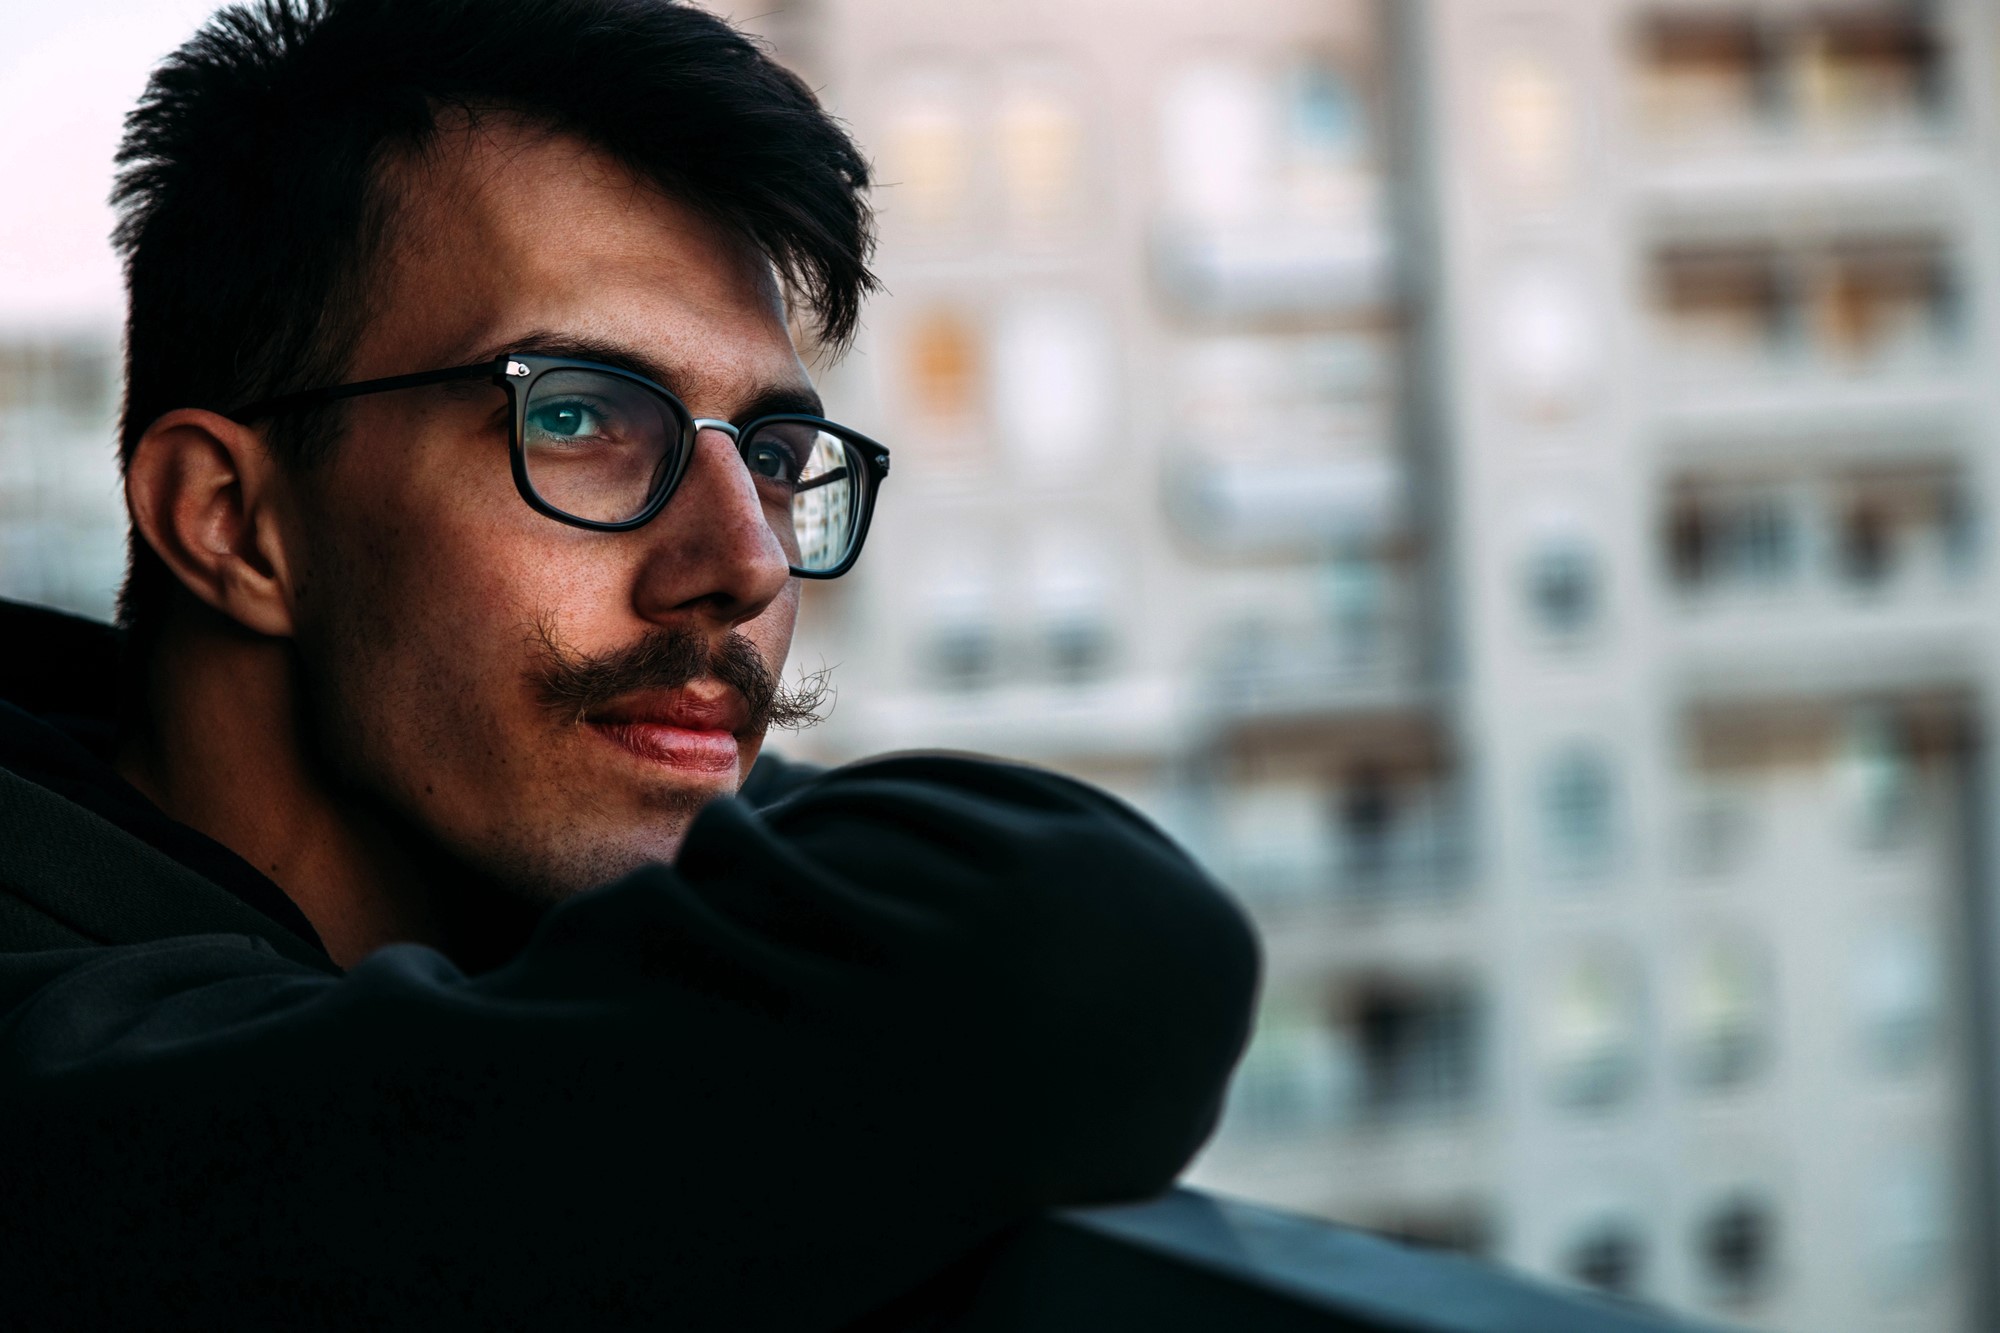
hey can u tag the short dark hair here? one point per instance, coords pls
(253, 203)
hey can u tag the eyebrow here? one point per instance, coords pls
(768, 401)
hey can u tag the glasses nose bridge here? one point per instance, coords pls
(735, 436)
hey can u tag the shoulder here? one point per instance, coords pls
(773, 778)
(70, 877)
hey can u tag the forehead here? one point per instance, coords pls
(505, 228)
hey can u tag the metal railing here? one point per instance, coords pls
(1191, 1262)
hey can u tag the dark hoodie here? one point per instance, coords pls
(868, 1018)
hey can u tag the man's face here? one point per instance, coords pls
(434, 607)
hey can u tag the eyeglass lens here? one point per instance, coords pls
(600, 448)
(809, 482)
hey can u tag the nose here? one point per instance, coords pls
(713, 554)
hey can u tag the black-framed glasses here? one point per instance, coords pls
(602, 448)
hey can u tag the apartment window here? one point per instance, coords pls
(1547, 336)
(1886, 303)
(1053, 385)
(1244, 142)
(1719, 828)
(1725, 997)
(21, 377)
(1759, 539)
(1217, 144)
(964, 655)
(1898, 995)
(1327, 122)
(1278, 848)
(943, 383)
(1225, 389)
(1907, 1223)
(1343, 383)
(1397, 828)
(1291, 1079)
(1736, 1245)
(1867, 545)
(1580, 811)
(1723, 306)
(1877, 774)
(1854, 67)
(1704, 72)
(1285, 399)
(1325, 142)
(1562, 586)
(1861, 304)
(1591, 1030)
(943, 366)
(1609, 1254)
(1901, 521)
(1958, 526)
(1079, 649)
(1726, 536)
(75, 379)
(1368, 813)
(961, 640)
(1534, 124)
(1041, 151)
(1072, 593)
(1416, 1045)
(1360, 597)
(928, 157)
(1878, 65)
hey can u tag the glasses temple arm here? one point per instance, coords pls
(313, 397)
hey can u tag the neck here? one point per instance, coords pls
(221, 747)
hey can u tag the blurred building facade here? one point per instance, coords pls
(1714, 286)
(1506, 482)
(62, 523)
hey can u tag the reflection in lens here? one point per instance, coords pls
(825, 507)
(597, 446)
(816, 508)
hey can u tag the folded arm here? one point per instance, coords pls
(842, 1040)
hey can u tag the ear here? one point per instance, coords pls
(203, 492)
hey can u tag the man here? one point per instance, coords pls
(387, 941)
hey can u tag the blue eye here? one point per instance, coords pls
(565, 420)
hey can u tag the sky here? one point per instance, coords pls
(69, 71)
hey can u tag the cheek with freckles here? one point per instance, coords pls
(420, 690)
(416, 635)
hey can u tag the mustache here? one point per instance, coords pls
(575, 684)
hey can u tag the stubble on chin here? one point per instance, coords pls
(625, 827)
(561, 811)
(605, 828)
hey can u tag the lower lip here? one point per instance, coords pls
(674, 747)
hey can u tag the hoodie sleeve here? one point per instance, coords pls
(841, 1041)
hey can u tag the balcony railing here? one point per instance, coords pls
(1195, 1263)
(1276, 268)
